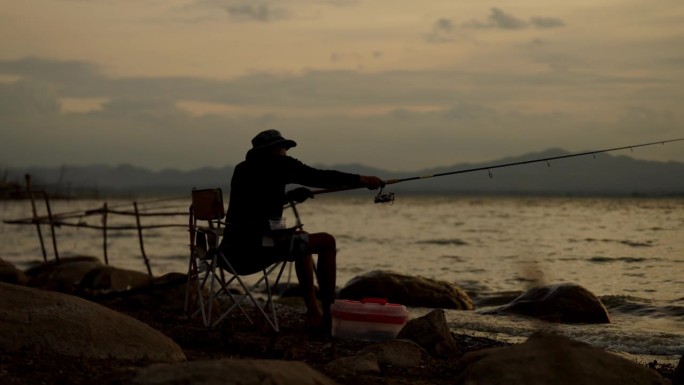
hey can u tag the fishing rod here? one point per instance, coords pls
(389, 197)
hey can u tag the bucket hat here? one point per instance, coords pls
(269, 139)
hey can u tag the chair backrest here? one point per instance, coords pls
(207, 204)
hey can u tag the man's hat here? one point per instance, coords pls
(270, 139)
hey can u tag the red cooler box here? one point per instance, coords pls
(371, 319)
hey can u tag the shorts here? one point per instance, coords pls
(247, 259)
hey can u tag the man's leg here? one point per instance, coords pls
(305, 275)
(324, 245)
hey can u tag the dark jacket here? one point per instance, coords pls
(257, 193)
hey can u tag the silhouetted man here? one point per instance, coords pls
(258, 194)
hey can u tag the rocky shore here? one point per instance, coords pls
(60, 330)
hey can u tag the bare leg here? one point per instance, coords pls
(325, 246)
(305, 275)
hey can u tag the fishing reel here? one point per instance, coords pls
(384, 198)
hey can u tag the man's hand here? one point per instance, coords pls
(299, 195)
(372, 182)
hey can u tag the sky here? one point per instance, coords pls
(394, 84)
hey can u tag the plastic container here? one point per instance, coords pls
(371, 319)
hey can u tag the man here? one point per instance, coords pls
(258, 194)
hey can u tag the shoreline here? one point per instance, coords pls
(238, 340)
(159, 308)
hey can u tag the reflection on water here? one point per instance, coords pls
(627, 248)
(610, 246)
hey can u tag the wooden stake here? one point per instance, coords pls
(52, 225)
(35, 216)
(140, 237)
(104, 232)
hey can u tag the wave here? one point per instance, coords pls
(636, 306)
(444, 242)
(599, 259)
(626, 242)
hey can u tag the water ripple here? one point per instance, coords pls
(444, 242)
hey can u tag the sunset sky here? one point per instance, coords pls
(393, 84)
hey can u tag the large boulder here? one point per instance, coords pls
(407, 290)
(398, 353)
(85, 276)
(10, 274)
(38, 268)
(232, 372)
(563, 303)
(356, 364)
(432, 333)
(48, 322)
(678, 375)
(166, 292)
(549, 359)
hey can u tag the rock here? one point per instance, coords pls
(399, 353)
(105, 279)
(678, 375)
(10, 274)
(41, 267)
(54, 323)
(232, 372)
(549, 359)
(563, 303)
(432, 333)
(63, 277)
(165, 292)
(407, 290)
(359, 363)
(85, 276)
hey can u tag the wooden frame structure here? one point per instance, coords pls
(66, 219)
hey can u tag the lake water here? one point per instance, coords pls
(629, 252)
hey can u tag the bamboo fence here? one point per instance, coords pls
(67, 220)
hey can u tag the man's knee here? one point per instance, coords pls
(324, 240)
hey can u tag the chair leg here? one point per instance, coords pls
(187, 286)
(271, 316)
(224, 289)
(199, 284)
(192, 279)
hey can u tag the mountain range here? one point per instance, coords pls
(601, 174)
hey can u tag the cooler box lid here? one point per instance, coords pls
(376, 310)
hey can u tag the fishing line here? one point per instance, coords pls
(389, 197)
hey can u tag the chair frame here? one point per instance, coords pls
(211, 264)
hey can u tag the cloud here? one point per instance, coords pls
(441, 116)
(244, 10)
(498, 19)
(26, 98)
(674, 61)
(503, 20)
(340, 3)
(546, 22)
(52, 71)
(638, 118)
(342, 88)
(442, 31)
(257, 12)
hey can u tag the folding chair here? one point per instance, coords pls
(211, 264)
(207, 206)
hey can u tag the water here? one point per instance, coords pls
(629, 252)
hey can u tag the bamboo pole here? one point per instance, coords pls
(59, 219)
(32, 220)
(104, 232)
(52, 225)
(35, 216)
(97, 227)
(140, 237)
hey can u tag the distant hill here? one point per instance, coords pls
(603, 174)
